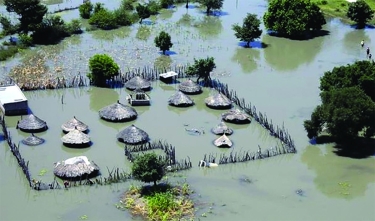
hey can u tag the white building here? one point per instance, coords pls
(12, 100)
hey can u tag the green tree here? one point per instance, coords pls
(143, 12)
(163, 41)
(30, 12)
(211, 4)
(293, 18)
(8, 27)
(86, 9)
(360, 12)
(102, 67)
(103, 19)
(148, 168)
(127, 5)
(249, 30)
(50, 31)
(202, 68)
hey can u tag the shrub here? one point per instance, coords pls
(103, 19)
(127, 5)
(102, 67)
(50, 31)
(74, 27)
(154, 7)
(122, 17)
(148, 168)
(85, 10)
(98, 7)
(25, 40)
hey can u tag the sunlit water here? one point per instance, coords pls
(281, 79)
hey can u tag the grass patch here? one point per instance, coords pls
(338, 8)
(160, 203)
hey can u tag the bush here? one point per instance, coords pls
(122, 17)
(148, 168)
(85, 10)
(154, 7)
(103, 19)
(324, 2)
(102, 67)
(128, 5)
(50, 31)
(98, 7)
(7, 52)
(25, 40)
(74, 27)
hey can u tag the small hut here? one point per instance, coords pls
(76, 138)
(138, 82)
(236, 116)
(32, 124)
(118, 112)
(132, 135)
(74, 124)
(33, 140)
(218, 101)
(138, 98)
(76, 168)
(190, 87)
(180, 99)
(221, 129)
(223, 141)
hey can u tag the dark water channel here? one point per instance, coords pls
(280, 79)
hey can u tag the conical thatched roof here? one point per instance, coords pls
(138, 82)
(32, 123)
(33, 140)
(180, 99)
(190, 87)
(223, 141)
(236, 116)
(76, 138)
(75, 168)
(132, 135)
(222, 128)
(218, 101)
(118, 113)
(74, 124)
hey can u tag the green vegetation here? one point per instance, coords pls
(249, 30)
(148, 168)
(85, 10)
(202, 68)
(348, 103)
(166, 3)
(211, 5)
(102, 67)
(143, 12)
(8, 27)
(163, 41)
(360, 12)
(9, 51)
(293, 18)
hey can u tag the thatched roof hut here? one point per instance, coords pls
(138, 82)
(223, 141)
(132, 135)
(190, 87)
(118, 112)
(33, 140)
(236, 116)
(180, 99)
(76, 168)
(31, 124)
(218, 101)
(76, 138)
(74, 124)
(221, 129)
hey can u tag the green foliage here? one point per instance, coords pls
(8, 51)
(163, 41)
(211, 5)
(102, 67)
(148, 168)
(127, 5)
(143, 12)
(31, 13)
(85, 10)
(103, 19)
(202, 68)
(122, 17)
(249, 30)
(98, 7)
(50, 31)
(159, 204)
(25, 40)
(166, 3)
(8, 27)
(74, 27)
(293, 18)
(154, 7)
(360, 12)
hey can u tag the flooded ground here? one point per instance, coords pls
(281, 79)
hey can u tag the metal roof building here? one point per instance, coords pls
(12, 100)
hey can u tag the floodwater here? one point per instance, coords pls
(281, 79)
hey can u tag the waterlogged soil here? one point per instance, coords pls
(280, 78)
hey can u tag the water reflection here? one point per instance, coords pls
(179, 110)
(209, 26)
(102, 97)
(339, 177)
(353, 38)
(248, 58)
(120, 33)
(163, 62)
(166, 14)
(143, 33)
(186, 20)
(284, 54)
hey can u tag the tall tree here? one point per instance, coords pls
(249, 30)
(211, 4)
(30, 12)
(163, 41)
(143, 12)
(360, 12)
(102, 67)
(148, 168)
(202, 68)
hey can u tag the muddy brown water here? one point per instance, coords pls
(281, 79)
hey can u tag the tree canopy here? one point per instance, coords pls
(163, 41)
(293, 18)
(143, 12)
(102, 67)
(86, 9)
(249, 30)
(148, 168)
(210, 4)
(360, 12)
(202, 68)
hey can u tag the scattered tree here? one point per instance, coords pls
(154, 7)
(360, 12)
(143, 12)
(148, 168)
(31, 13)
(103, 19)
(102, 67)
(249, 30)
(293, 18)
(163, 41)
(127, 5)
(50, 31)
(211, 4)
(166, 3)
(202, 68)
(86, 9)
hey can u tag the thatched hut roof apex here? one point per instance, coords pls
(190, 87)
(218, 101)
(133, 135)
(118, 112)
(33, 140)
(32, 123)
(76, 137)
(138, 82)
(222, 128)
(236, 116)
(75, 167)
(223, 141)
(73, 124)
(180, 99)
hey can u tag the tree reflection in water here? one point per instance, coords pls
(102, 97)
(352, 42)
(209, 26)
(163, 62)
(248, 58)
(143, 33)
